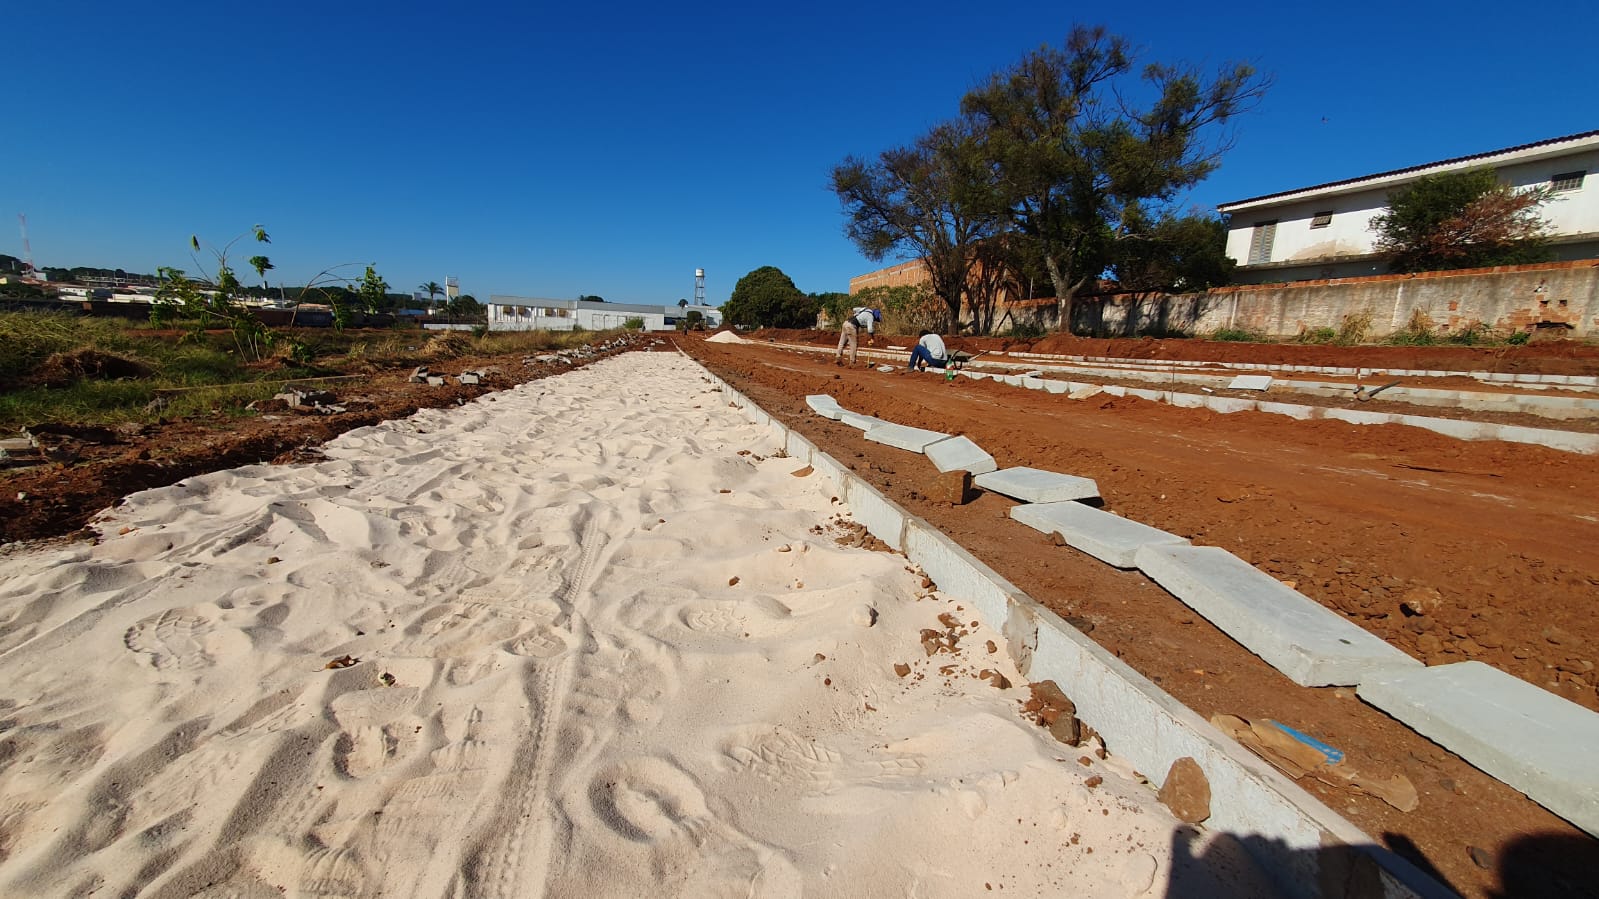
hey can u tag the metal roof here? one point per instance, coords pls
(1442, 163)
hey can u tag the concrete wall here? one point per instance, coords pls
(1508, 298)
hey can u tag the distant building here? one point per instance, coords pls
(1324, 231)
(512, 313)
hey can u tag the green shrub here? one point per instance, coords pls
(1238, 335)
(1519, 338)
(1316, 335)
(1353, 327)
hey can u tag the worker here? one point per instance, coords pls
(928, 351)
(859, 317)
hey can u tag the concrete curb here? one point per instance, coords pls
(1306, 847)
(1565, 441)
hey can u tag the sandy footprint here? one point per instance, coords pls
(372, 737)
(691, 851)
(183, 639)
(461, 629)
(779, 755)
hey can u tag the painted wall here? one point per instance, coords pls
(1510, 298)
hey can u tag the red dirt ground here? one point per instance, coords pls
(1493, 542)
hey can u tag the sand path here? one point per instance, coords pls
(561, 688)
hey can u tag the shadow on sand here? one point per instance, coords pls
(1537, 866)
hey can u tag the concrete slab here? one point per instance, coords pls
(960, 454)
(1250, 382)
(1311, 644)
(1529, 738)
(863, 422)
(824, 405)
(904, 437)
(1108, 538)
(1031, 485)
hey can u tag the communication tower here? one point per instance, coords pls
(699, 287)
(27, 251)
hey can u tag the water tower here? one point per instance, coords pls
(699, 287)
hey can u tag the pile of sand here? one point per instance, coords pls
(725, 337)
(587, 637)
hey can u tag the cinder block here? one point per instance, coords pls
(1108, 538)
(1529, 738)
(1032, 485)
(1306, 641)
(904, 437)
(960, 453)
(824, 405)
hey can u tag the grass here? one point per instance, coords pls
(202, 375)
(1238, 335)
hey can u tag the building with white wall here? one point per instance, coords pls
(1324, 231)
(512, 313)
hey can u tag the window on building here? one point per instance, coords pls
(1260, 242)
(1567, 181)
(1321, 219)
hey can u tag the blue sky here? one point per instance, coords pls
(612, 148)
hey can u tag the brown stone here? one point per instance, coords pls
(1186, 791)
(901, 669)
(1559, 636)
(1055, 711)
(953, 487)
(1421, 601)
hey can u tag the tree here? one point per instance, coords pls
(1069, 156)
(466, 306)
(262, 265)
(1172, 253)
(583, 298)
(931, 200)
(181, 298)
(1467, 219)
(768, 298)
(432, 289)
(373, 290)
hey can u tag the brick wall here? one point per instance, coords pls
(906, 274)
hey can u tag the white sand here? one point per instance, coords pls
(581, 703)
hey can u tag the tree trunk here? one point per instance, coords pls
(1063, 293)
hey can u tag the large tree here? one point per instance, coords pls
(931, 201)
(1172, 253)
(1071, 155)
(1467, 219)
(768, 298)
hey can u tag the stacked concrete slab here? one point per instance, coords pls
(825, 406)
(904, 437)
(960, 454)
(1293, 633)
(1109, 538)
(1533, 740)
(1033, 485)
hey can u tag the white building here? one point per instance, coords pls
(510, 313)
(1325, 231)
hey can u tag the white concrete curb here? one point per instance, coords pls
(1296, 838)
